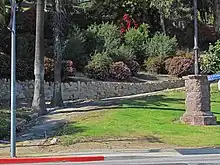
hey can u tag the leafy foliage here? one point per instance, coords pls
(122, 53)
(24, 69)
(98, 67)
(210, 61)
(26, 47)
(106, 35)
(161, 45)
(75, 47)
(154, 65)
(137, 39)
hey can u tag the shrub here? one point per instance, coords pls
(161, 45)
(179, 66)
(48, 69)
(24, 69)
(122, 53)
(210, 64)
(120, 71)
(26, 47)
(136, 39)
(106, 35)
(183, 53)
(127, 22)
(67, 69)
(98, 67)
(210, 61)
(154, 65)
(75, 48)
(4, 66)
(133, 66)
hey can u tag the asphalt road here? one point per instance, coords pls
(169, 160)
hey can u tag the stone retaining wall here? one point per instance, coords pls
(89, 90)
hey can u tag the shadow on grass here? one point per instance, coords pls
(156, 102)
(94, 109)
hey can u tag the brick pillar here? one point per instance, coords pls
(198, 101)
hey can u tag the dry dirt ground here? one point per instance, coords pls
(46, 150)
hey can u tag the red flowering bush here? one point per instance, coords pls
(127, 23)
(67, 69)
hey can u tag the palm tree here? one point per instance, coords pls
(38, 103)
(2, 12)
(217, 15)
(58, 23)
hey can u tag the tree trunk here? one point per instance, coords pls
(162, 22)
(217, 15)
(2, 13)
(38, 103)
(57, 93)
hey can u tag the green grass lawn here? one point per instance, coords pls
(155, 118)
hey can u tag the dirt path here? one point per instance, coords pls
(39, 150)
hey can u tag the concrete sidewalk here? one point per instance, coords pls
(109, 155)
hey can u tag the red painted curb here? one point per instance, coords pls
(50, 159)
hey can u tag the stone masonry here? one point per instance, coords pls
(198, 101)
(89, 90)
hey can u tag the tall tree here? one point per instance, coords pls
(164, 10)
(217, 15)
(2, 12)
(58, 23)
(38, 103)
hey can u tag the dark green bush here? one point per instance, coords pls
(179, 66)
(26, 47)
(161, 45)
(98, 67)
(120, 71)
(75, 48)
(122, 53)
(154, 65)
(4, 125)
(106, 35)
(24, 69)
